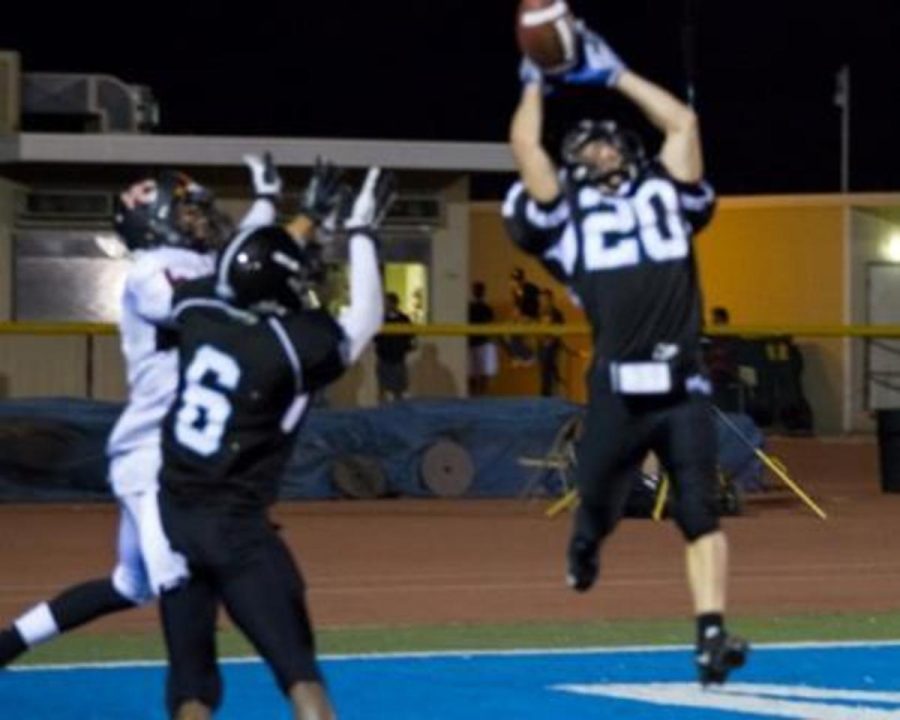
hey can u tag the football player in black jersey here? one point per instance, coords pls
(617, 227)
(251, 352)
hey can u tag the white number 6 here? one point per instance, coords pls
(205, 408)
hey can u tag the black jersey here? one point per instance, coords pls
(244, 385)
(628, 257)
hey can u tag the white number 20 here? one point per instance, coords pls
(614, 235)
(205, 407)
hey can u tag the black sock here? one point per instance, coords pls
(11, 645)
(709, 625)
(82, 603)
(587, 525)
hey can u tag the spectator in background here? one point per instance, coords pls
(390, 353)
(526, 309)
(482, 350)
(549, 346)
(719, 355)
(417, 312)
(720, 316)
(525, 296)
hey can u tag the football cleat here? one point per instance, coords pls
(583, 564)
(718, 655)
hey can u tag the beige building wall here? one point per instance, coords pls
(870, 233)
(33, 366)
(108, 380)
(439, 367)
(7, 216)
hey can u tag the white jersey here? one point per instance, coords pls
(151, 363)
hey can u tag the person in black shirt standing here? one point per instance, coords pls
(525, 300)
(391, 371)
(482, 349)
(617, 227)
(525, 296)
(250, 355)
(549, 346)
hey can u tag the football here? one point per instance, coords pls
(545, 32)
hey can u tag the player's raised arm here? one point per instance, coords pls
(362, 319)
(600, 66)
(318, 200)
(681, 152)
(267, 186)
(536, 168)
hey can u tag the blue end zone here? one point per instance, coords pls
(826, 682)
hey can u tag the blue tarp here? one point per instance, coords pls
(53, 449)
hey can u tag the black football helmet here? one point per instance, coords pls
(626, 142)
(264, 268)
(171, 209)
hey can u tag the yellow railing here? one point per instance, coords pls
(460, 329)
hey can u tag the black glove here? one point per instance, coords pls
(323, 191)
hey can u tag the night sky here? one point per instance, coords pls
(764, 73)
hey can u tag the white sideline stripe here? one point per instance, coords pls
(429, 654)
(810, 693)
(757, 701)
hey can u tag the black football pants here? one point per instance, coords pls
(240, 561)
(618, 432)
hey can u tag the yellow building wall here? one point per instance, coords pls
(774, 265)
(769, 261)
(783, 264)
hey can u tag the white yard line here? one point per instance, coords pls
(426, 655)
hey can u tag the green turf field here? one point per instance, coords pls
(87, 647)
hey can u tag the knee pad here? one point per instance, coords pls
(132, 584)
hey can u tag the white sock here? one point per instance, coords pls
(37, 625)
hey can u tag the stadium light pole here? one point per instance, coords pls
(842, 100)
(689, 51)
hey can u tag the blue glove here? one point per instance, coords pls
(264, 174)
(599, 65)
(531, 74)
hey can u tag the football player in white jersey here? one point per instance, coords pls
(174, 230)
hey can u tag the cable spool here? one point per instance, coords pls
(360, 477)
(447, 469)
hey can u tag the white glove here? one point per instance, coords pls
(264, 175)
(372, 201)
